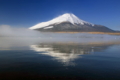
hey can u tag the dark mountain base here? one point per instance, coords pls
(69, 27)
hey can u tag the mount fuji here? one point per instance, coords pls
(70, 23)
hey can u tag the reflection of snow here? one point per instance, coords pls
(62, 57)
(68, 52)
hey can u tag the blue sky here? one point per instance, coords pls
(26, 13)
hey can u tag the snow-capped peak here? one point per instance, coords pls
(67, 17)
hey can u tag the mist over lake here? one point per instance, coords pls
(60, 56)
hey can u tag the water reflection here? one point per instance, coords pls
(68, 52)
(63, 53)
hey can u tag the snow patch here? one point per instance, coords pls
(48, 27)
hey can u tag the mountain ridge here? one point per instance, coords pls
(69, 22)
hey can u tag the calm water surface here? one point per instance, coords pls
(32, 59)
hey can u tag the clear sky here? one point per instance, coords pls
(26, 13)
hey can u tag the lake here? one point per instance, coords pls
(76, 58)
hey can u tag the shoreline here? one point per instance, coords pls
(109, 33)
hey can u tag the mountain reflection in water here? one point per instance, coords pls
(68, 52)
(59, 58)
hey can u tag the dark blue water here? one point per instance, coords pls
(60, 61)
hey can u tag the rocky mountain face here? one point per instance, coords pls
(66, 26)
(69, 23)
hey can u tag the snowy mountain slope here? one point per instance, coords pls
(69, 22)
(67, 17)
